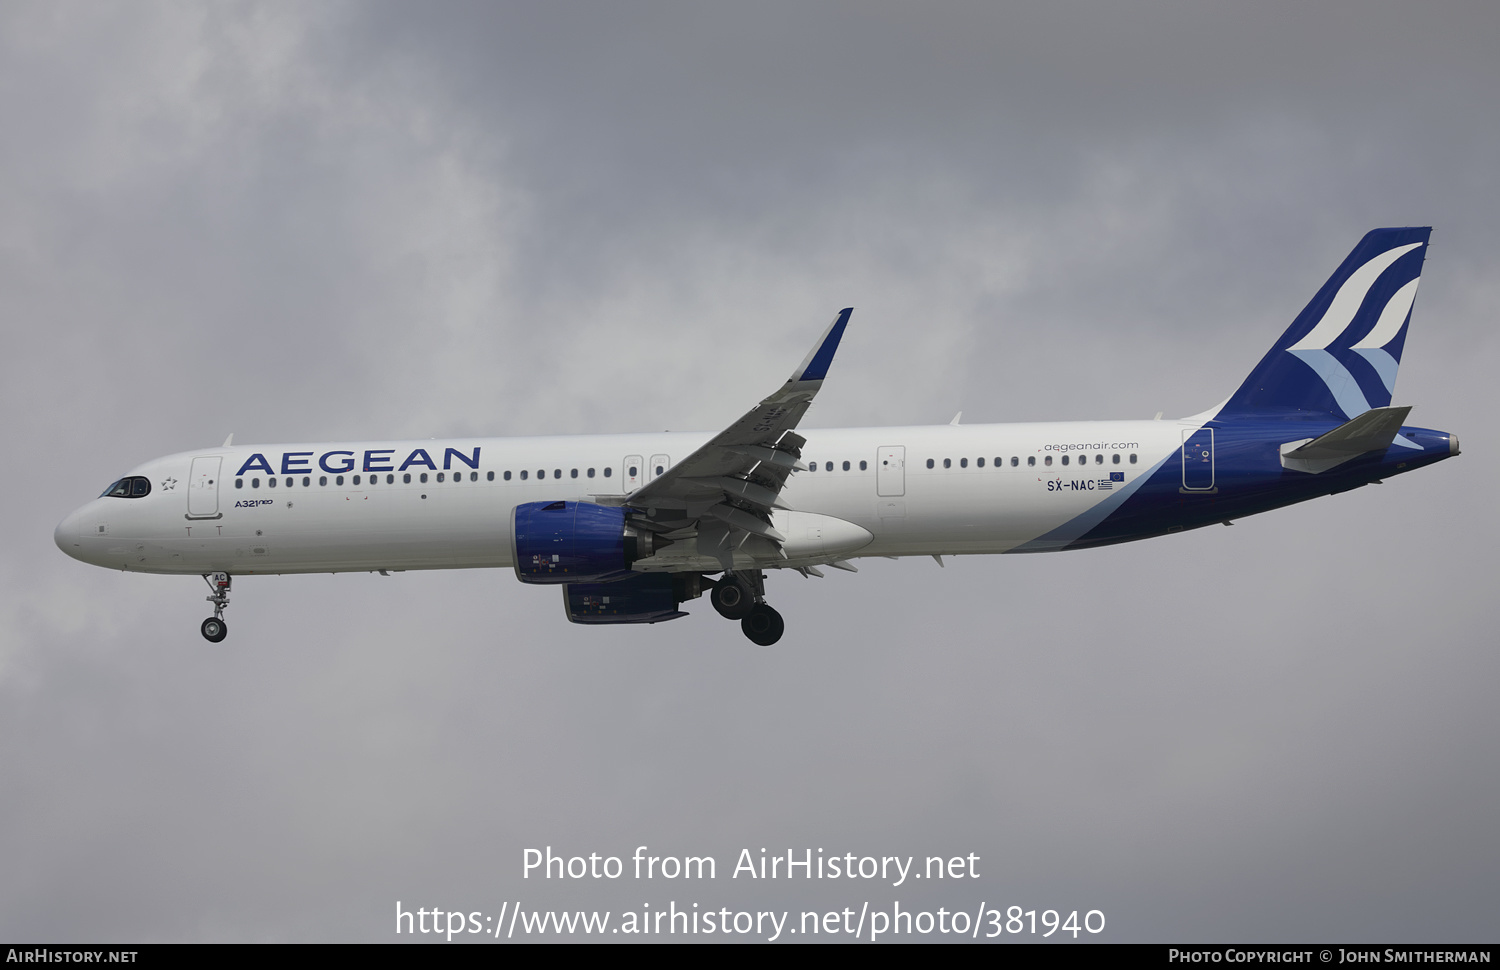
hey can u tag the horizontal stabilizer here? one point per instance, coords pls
(1373, 430)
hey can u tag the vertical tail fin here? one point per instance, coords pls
(1340, 355)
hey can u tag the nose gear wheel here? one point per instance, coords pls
(214, 629)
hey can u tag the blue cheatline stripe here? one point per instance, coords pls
(817, 368)
(1075, 527)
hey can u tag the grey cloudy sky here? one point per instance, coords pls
(307, 222)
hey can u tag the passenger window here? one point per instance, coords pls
(338, 480)
(846, 466)
(573, 473)
(929, 463)
(1098, 459)
(660, 469)
(827, 467)
(608, 472)
(1015, 461)
(947, 462)
(812, 467)
(421, 478)
(634, 471)
(1115, 458)
(439, 478)
(506, 476)
(1047, 461)
(863, 466)
(1031, 460)
(979, 462)
(406, 479)
(963, 463)
(1132, 459)
(255, 483)
(322, 479)
(523, 474)
(557, 473)
(239, 483)
(271, 483)
(389, 480)
(474, 476)
(591, 473)
(356, 479)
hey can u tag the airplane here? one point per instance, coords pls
(633, 526)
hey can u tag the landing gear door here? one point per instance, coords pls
(632, 474)
(890, 470)
(203, 488)
(1198, 460)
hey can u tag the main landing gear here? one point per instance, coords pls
(742, 596)
(214, 628)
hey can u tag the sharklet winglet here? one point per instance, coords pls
(815, 365)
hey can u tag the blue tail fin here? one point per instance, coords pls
(1340, 355)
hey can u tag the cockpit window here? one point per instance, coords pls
(133, 487)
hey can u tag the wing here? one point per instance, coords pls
(724, 492)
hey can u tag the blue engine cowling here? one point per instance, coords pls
(569, 542)
(642, 598)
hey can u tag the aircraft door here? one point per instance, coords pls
(1198, 460)
(890, 470)
(203, 488)
(633, 474)
(659, 464)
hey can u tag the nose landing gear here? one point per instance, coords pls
(214, 628)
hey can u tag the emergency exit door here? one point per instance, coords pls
(890, 470)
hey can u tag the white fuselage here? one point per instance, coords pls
(316, 507)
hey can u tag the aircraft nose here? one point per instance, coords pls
(66, 535)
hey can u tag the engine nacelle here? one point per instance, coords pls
(564, 542)
(641, 598)
(570, 542)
